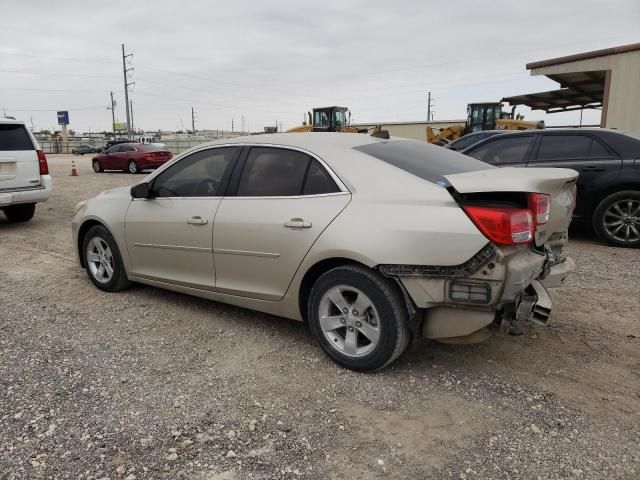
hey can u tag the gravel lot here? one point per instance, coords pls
(153, 384)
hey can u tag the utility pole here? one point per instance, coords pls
(429, 105)
(193, 121)
(133, 128)
(242, 123)
(232, 125)
(125, 70)
(113, 115)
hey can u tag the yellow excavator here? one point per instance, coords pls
(333, 119)
(482, 116)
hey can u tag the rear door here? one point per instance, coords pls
(19, 167)
(584, 153)
(503, 151)
(281, 200)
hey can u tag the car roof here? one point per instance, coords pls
(320, 143)
(11, 121)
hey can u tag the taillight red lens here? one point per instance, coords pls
(42, 162)
(540, 204)
(503, 226)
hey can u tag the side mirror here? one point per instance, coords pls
(140, 190)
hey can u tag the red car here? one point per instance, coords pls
(131, 157)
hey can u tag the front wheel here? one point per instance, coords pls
(102, 260)
(20, 213)
(96, 166)
(358, 317)
(133, 167)
(616, 219)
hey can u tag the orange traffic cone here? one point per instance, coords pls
(74, 172)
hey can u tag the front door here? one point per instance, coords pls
(169, 236)
(283, 200)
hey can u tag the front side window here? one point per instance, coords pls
(127, 148)
(503, 151)
(113, 149)
(201, 174)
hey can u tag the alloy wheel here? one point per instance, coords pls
(349, 320)
(100, 260)
(621, 220)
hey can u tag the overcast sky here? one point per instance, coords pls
(274, 60)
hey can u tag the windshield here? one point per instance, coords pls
(339, 118)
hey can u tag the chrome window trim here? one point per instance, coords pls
(343, 188)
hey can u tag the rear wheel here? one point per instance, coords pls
(616, 219)
(102, 260)
(358, 317)
(96, 166)
(133, 167)
(20, 213)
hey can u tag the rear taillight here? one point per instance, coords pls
(503, 226)
(42, 162)
(540, 204)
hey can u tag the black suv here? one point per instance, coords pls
(608, 162)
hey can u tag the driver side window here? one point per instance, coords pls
(201, 174)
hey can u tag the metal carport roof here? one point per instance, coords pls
(580, 90)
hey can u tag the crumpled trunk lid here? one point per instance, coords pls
(558, 183)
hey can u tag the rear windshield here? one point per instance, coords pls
(423, 160)
(14, 137)
(146, 147)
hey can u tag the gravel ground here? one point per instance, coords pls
(152, 384)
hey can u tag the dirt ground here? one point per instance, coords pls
(152, 384)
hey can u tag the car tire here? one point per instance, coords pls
(102, 260)
(363, 340)
(20, 213)
(132, 167)
(616, 219)
(97, 167)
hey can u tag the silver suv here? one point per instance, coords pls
(24, 173)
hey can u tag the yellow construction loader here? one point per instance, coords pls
(332, 119)
(482, 116)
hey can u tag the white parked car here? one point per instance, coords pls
(24, 173)
(369, 240)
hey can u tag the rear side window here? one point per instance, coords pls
(14, 137)
(564, 147)
(318, 181)
(505, 151)
(421, 159)
(273, 172)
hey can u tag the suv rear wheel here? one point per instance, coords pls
(616, 219)
(20, 213)
(358, 317)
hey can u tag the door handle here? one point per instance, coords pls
(592, 169)
(297, 223)
(197, 221)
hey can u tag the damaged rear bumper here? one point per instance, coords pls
(496, 285)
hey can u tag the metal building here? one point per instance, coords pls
(608, 79)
